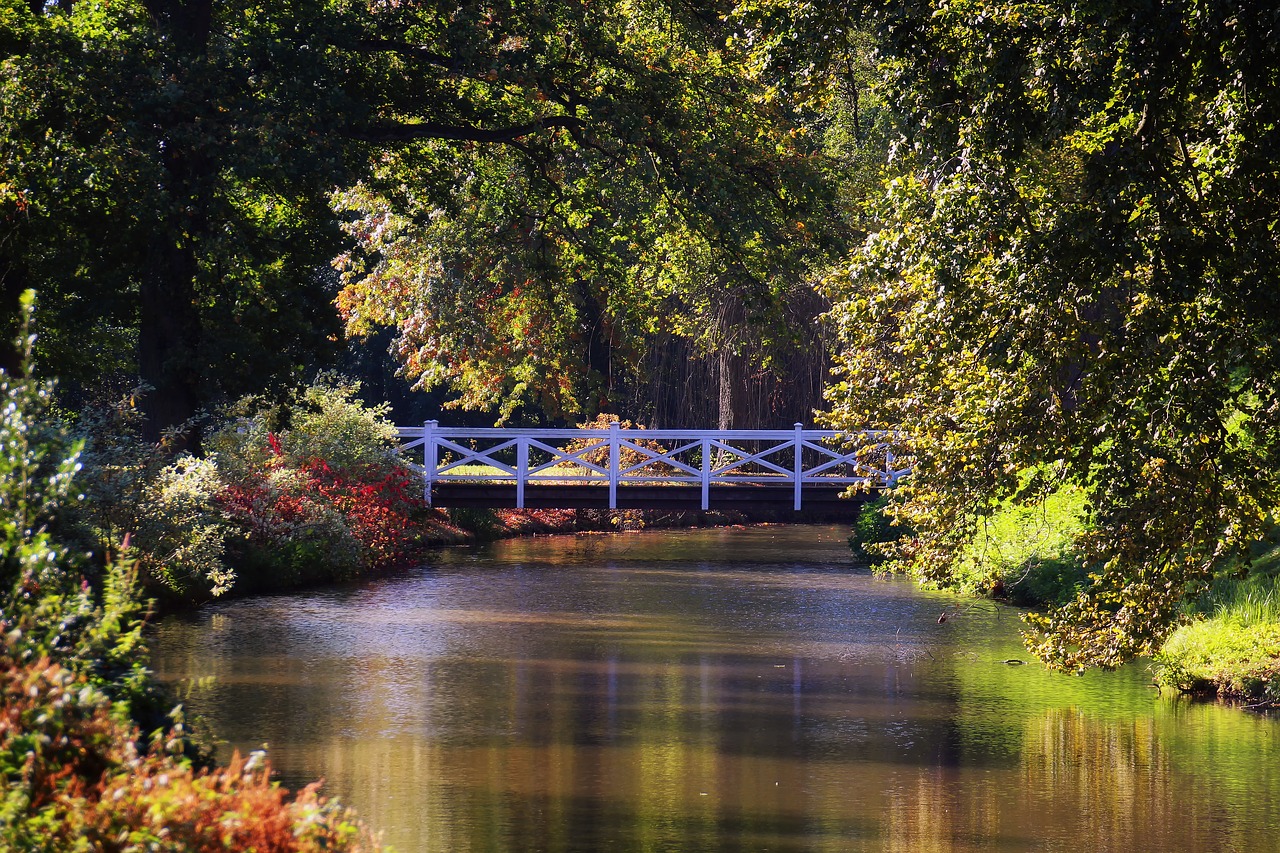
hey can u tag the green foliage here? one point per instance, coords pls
(1029, 553)
(661, 185)
(166, 503)
(118, 467)
(325, 420)
(166, 180)
(482, 522)
(183, 532)
(48, 605)
(1072, 274)
(329, 421)
(874, 526)
(537, 191)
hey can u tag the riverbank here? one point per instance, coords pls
(483, 525)
(1228, 645)
(430, 529)
(1231, 648)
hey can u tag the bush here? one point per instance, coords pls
(873, 527)
(321, 497)
(75, 781)
(291, 536)
(326, 420)
(183, 533)
(166, 505)
(78, 772)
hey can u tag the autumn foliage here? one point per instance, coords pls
(76, 782)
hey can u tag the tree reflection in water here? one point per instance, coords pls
(709, 690)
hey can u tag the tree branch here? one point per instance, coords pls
(404, 48)
(430, 130)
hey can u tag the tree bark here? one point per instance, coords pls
(168, 338)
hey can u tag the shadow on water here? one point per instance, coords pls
(740, 689)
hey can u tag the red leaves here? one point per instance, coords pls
(75, 781)
(377, 504)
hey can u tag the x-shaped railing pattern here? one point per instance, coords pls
(621, 457)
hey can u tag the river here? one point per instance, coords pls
(709, 690)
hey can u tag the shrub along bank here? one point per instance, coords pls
(90, 760)
(281, 496)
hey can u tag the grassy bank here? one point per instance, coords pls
(1023, 555)
(1231, 645)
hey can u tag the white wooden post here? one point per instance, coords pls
(522, 468)
(613, 465)
(706, 474)
(799, 444)
(429, 457)
(889, 478)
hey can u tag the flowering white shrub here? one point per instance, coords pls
(183, 533)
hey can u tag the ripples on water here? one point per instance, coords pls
(741, 689)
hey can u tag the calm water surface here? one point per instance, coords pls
(742, 689)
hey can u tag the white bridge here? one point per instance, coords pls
(640, 468)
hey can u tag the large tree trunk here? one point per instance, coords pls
(169, 328)
(168, 337)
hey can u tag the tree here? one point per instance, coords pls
(167, 167)
(1073, 281)
(658, 189)
(535, 188)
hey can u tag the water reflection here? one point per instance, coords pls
(709, 690)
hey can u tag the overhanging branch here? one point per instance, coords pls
(407, 49)
(404, 132)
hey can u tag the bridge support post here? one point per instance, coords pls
(522, 469)
(799, 466)
(706, 474)
(613, 465)
(429, 458)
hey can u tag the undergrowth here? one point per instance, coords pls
(89, 760)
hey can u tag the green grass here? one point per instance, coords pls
(1233, 645)
(1027, 553)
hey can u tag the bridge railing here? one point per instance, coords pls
(617, 457)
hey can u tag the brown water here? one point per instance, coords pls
(710, 690)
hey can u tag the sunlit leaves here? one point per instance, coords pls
(1075, 275)
(536, 273)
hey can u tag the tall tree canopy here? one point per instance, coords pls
(534, 190)
(653, 185)
(165, 169)
(1073, 280)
